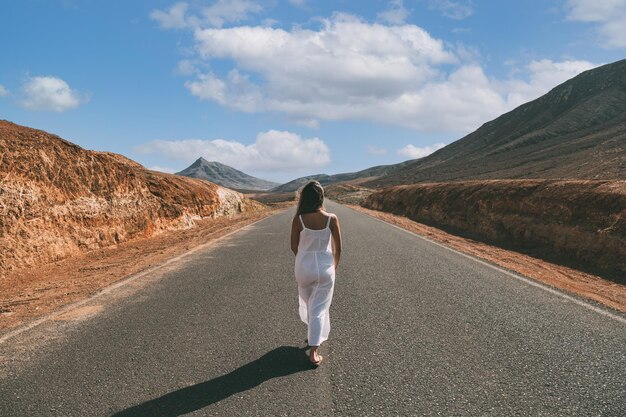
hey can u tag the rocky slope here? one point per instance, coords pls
(225, 176)
(353, 177)
(581, 223)
(58, 200)
(346, 193)
(576, 131)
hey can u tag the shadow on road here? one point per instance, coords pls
(282, 361)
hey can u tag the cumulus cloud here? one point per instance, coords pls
(414, 152)
(187, 67)
(608, 15)
(236, 91)
(346, 69)
(543, 76)
(457, 10)
(396, 14)
(351, 69)
(375, 150)
(273, 151)
(3, 91)
(224, 11)
(180, 15)
(49, 94)
(173, 18)
(162, 169)
(458, 102)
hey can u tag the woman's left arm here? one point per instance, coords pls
(336, 233)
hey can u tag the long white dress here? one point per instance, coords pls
(315, 274)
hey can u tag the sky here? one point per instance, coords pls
(285, 88)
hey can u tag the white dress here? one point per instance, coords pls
(315, 274)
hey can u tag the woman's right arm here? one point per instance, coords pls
(295, 235)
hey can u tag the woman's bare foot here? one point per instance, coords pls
(315, 357)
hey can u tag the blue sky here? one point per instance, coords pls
(285, 88)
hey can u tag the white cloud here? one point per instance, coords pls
(49, 94)
(543, 76)
(272, 151)
(3, 91)
(173, 18)
(236, 92)
(414, 152)
(396, 14)
(224, 11)
(187, 67)
(347, 69)
(609, 15)
(162, 169)
(214, 15)
(457, 10)
(457, 103)
(350, 69)
(375, 150)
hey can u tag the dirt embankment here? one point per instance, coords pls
(579, 223)
(58, 200)
(346, 193)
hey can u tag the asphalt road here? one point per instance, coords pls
(416, 330)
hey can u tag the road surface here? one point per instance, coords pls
(416, 330)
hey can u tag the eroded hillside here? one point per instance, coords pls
(575, 131)
(580, 222)
(58, 200)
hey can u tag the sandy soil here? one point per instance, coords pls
(29, 294)
(585, 285)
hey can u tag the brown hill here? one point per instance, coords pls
(57, 199)
(576, 131)
(578, 223)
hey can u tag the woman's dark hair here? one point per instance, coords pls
(311, 198)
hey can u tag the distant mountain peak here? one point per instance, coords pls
(225, 176)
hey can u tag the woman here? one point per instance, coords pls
(311, 232)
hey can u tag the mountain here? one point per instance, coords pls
(225, 176)
(324, 179)
(58, 200)
(575, 131)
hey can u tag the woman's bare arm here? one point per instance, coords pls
(336, 233)
(295, 235)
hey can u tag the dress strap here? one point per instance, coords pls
(330, 216)
(301, 222)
